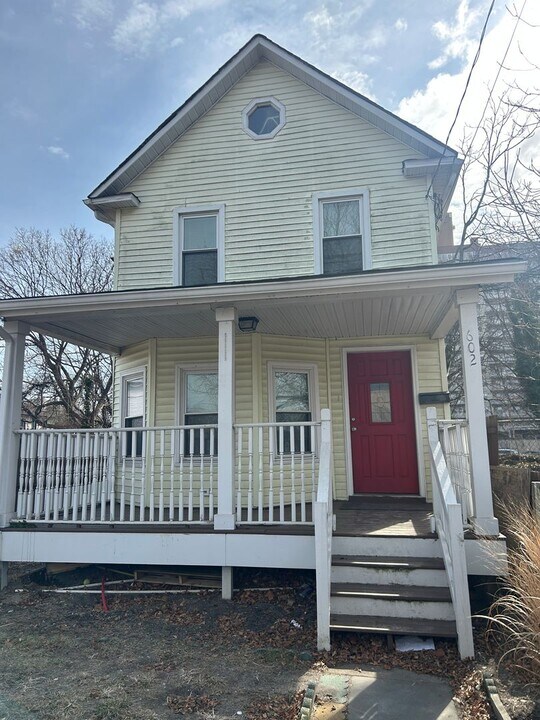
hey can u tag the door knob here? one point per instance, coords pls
(353, 429)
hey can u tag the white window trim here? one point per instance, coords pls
(263, 101)
(214, 209)
(361, 194)
(125, 377)
(312, 371)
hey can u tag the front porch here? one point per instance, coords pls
(277, 492)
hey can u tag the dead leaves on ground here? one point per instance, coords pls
(190, 704)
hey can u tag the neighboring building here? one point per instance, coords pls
(278, 319)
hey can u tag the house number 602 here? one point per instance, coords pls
(471, 347)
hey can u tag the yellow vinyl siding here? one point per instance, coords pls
(267, 187)
(254, 353)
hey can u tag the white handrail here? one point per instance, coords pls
(324, 519)
(448, 523)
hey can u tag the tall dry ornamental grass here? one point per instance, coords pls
(515, 615)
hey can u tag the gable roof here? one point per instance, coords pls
(257, 49)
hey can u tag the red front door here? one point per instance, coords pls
(381, 414)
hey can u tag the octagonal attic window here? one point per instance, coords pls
(263, 118)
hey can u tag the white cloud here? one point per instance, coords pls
(458, 37)
(148, 25)
(137, 31)
(58, 151)
(401, 24)
(91, 14)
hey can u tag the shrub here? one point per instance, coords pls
(515, 614)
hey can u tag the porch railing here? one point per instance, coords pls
(323, 515)
(146, 474)
(276, 467)
(454, 438)
(449, 525)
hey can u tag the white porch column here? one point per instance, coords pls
(226, 318)
(484, 522)
(10, 417)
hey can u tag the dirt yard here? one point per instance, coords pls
(165, 656)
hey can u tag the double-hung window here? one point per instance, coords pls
(341, 223)
(133, 408)
(199, 245)
(293, 399)
(198, 403)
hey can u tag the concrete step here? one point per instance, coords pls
(434, 603)
(393, 626)
(368, 570)
(384, 546)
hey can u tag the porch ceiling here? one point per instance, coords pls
(416, 301)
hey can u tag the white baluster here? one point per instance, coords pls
(23, 467)
(94, 488)
(260, 511)
(144, 464)
(211, 475)
(293, 473)
(312, 437)
(181, 475)
(104, 475)
(201, 474)
(173, 443)
(49, 474)
(133, 436)
(281, 475)
(239, 475)
(32, 484)
(250, 476)
(271, 450)
(152, 462)
(191, 461)
(161, 476)
(77, 475)
(68, 476)
(59, 463)
(86, 476)
(111, 475)
(41, 473)
(123, 450)
(303, 430)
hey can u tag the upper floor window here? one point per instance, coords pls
(263, 118)
(341, 232)
(199, 245)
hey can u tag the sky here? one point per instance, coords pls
(83, 82)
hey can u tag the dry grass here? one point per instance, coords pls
(515, 614)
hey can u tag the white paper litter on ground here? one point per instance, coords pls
(409, 643)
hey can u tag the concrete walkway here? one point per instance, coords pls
(383, 695)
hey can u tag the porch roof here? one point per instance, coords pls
(406, 301)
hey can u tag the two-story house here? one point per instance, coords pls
(278, 322)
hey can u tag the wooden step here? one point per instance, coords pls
(411, 593)
(389, 563)
(393, 626)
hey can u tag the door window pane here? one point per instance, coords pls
(135, 397)
(381, 410)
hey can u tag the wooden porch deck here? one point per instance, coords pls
(359, 516)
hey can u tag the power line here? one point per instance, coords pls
(475, 60)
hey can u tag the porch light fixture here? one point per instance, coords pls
(248, 323)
